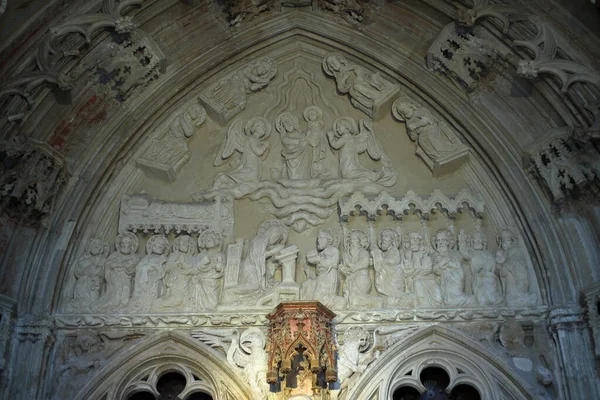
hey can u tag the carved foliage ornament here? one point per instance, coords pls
(49, 58)
(32, 175)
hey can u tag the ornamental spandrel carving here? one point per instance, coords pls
(436, 143)
(32, 176)
(228, 97)
(357, 13)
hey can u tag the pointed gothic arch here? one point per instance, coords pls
(138, 369)
(464, 360)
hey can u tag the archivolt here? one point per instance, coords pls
(144, 363)
(465, 361)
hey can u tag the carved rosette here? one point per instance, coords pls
(301, 339)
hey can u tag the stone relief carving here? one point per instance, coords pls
(81, 354)
(447, 263)
(119, 270)
(464, 57)
(368, 91)
(168, 153)
(89, 273)
(141, 213)
(436, 143)
(591, 297)
(324, 284)
(418, 270)
(486, 284)
(7, 315)
(467, 17)
(46, 66)
(245, 352)
(355, 12)
(237, 11)
(228, 97)
(32, 177)
(149, 274)
(210, 267)
(512, 269)
(302, 193)
(566, 168)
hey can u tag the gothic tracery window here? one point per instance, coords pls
(435, 385)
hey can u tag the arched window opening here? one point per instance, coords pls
(170, 385)
(141, 396)
(406, 393)
(199, 396)
(465, 392)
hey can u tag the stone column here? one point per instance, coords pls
(31, 345)
(575, 350)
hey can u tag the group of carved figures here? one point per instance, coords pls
(303, 151)
(182, 279)
(410, 274)
(408, 271)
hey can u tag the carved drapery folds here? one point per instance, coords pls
(565, 166)
(32, 176)
(50, 58)
(301, 348)
(169, 152)
(228, 97)
(436, 143)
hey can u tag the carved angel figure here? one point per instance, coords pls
(247, 354)
(149, 274)
(89, 273)
(325, 284)
(389, 275)
(513, 270)
(269, 240)
(418, 267)
(250, 142)
(355, 266)
(351, 142)
(435, 140)
(447, 263)
(316, 139)
(486, 285)
(366, 89)
(209, 266)
(230, 93)
(118, 272)
(179, 270)
(295, 146)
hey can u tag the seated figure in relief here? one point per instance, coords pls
(118, 273)
(149, 274)
(367, 89)
(486, 285)
(418, 270)
(325, 284)
(389, 275)
(352, 141)
(295, 149)
(255, 280)
(209, 268)
(355, 266)
(513, 270)
(447, 263)
(89, 274)
(250, 141)
(179, 271)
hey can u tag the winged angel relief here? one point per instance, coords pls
(305, 190)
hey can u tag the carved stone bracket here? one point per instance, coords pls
(7, 315)
(564, 166)
(566, 318)
(463, 56)
(31, 178)
(142, 213)
(411, 203)
(591, 297)
(468, 17)
(49, 58)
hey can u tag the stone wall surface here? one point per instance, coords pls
(173, 170)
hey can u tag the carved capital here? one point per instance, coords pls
(566, 319)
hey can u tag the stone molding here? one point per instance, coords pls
(591, 298)
(566, 318)
(7, 320)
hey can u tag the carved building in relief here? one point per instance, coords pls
(154, 213)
